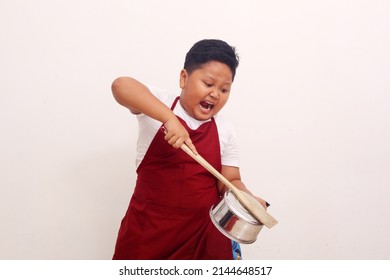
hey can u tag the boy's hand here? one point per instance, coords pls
(262, 202)
(177, 135)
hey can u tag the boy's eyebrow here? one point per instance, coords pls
(211, 77)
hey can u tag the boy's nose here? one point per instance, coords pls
(214, 94)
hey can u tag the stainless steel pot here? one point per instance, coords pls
(234, 221)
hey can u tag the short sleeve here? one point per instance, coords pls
(228, 142)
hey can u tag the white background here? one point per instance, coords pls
(310, 103)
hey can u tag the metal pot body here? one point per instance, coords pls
(234, 221)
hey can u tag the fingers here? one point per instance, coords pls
(189, 143)
(174, 140)
(177, 141)
(262, 202)
(176, 135)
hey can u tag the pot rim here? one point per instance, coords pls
(249, 218)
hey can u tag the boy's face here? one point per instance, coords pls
(206, 90)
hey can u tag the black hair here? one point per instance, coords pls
(211, 50)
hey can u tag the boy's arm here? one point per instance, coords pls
(135, 96)
(232, 173)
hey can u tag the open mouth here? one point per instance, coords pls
(206, 105)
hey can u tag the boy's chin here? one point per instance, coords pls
(203, 117)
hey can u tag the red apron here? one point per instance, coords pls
(168, 215)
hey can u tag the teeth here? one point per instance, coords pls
(207, 104)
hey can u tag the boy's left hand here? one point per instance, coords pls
(262, 202)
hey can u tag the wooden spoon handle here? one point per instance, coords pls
(208, 167)
(246, 199)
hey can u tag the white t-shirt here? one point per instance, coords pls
(148, 128)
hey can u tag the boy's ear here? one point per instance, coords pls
(183, 78)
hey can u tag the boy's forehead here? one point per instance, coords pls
(213, 70)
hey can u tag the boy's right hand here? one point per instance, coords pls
(177, 135)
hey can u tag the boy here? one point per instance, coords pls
(168, 215)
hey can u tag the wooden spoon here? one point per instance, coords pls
(247, 200)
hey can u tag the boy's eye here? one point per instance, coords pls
(208, 84)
